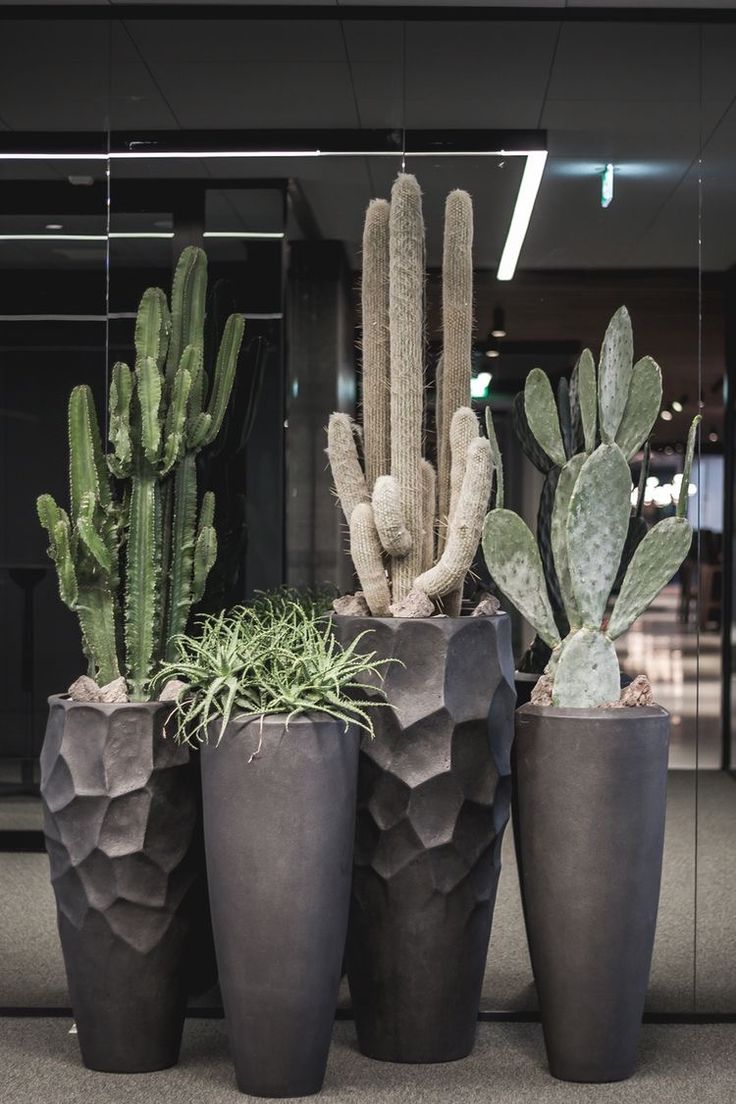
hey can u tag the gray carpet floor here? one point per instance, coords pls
(40, 1062)
(32, 970)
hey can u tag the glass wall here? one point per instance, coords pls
(263, 141)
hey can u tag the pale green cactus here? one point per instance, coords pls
(412, 528)
(141, 519)
(591, 524)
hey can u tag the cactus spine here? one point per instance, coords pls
(591, 521)
(412, 528)
(134, 513)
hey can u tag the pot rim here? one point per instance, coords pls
(435, 620)
(278, 720)
(631, 712)
(66, 701)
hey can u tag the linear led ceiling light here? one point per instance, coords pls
(419, 144)
(607, 186)
(525, 200)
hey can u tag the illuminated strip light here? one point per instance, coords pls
(525, 201)
(251, 235)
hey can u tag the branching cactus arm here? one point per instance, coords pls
(347, 472)
(642, 406)
(429, 494)
(513, 560)
(376, 350)
(652, 566)
(389, 520)
(614, 374)
(542, 417)
(366, 551)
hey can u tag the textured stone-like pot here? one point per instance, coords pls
(433, 801)
(120, 812)
(592, 788)
(279, 817)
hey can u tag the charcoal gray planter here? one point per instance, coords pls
(433, 802)
(279, 816)
(592, 788)
(120, 813)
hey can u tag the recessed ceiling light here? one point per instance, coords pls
(499, 323)
(677, 406)
(54, 226)
(666, 415)
(492, 353)
(713, 437)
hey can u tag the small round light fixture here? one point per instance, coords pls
(499, 323)
(54, 226)
(677, 406)
(666, 415)
(713, 437)
(493, 352)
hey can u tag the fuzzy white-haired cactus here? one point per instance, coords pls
(412, 528)
(590, 521)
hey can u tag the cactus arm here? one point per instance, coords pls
(86, 463)
(199, 431)
(653, 564)
(188, 298)
(542, 417)
(205, 549)
(393, 534)
(558, 536)
(224, 377)
(365, 549)
(587, 673)
(143, 569)
(347, 472)
(182, 545)
(642, 406)
(687, 466)
(513, 560)
(575, 418)
(588, 398)
(536, 455)
(152, 326)
(463, 431)
(406, 326)
(121, 392)
(597, 524)
(463, 535)
(95, 608)
(429, 512)
(93, 541)
(497, 461)
(56, 523)
(176, 417)
(457, 334)
(614, 374)
(376, 364)
(149, 398)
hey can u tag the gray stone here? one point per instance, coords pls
(84, 689)
(115, 691)
(416, 604)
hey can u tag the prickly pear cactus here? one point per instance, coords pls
(133, 555)
(592, 528)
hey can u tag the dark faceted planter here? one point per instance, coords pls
(120, 813)
(279, 816)
(592, 789)
(433, 801)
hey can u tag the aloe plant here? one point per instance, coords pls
(134, 552)
(590, 521)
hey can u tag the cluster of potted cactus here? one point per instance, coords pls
(388, 725)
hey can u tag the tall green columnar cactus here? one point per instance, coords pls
(553, 429)
(590, 522)
(144, 516)
(413, 531)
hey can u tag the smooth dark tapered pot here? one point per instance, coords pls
(433, 801)
(279, 816)
(592, 788)
(120, 812)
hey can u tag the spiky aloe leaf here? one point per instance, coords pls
(176, 415)
(588, 398)
(152, 326)
(513, 560)
(614, 373)
(541, 415)
(597, 523)
(188, 298)
(587, 673)
(558, 531)
(86, 463)
(642, 406)
(121, 392)
(653, 564)
(143, 556)
(496, 457)
(149, 399)
(688, 466)
(93, 540)
(536, 455)
(224, 377)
